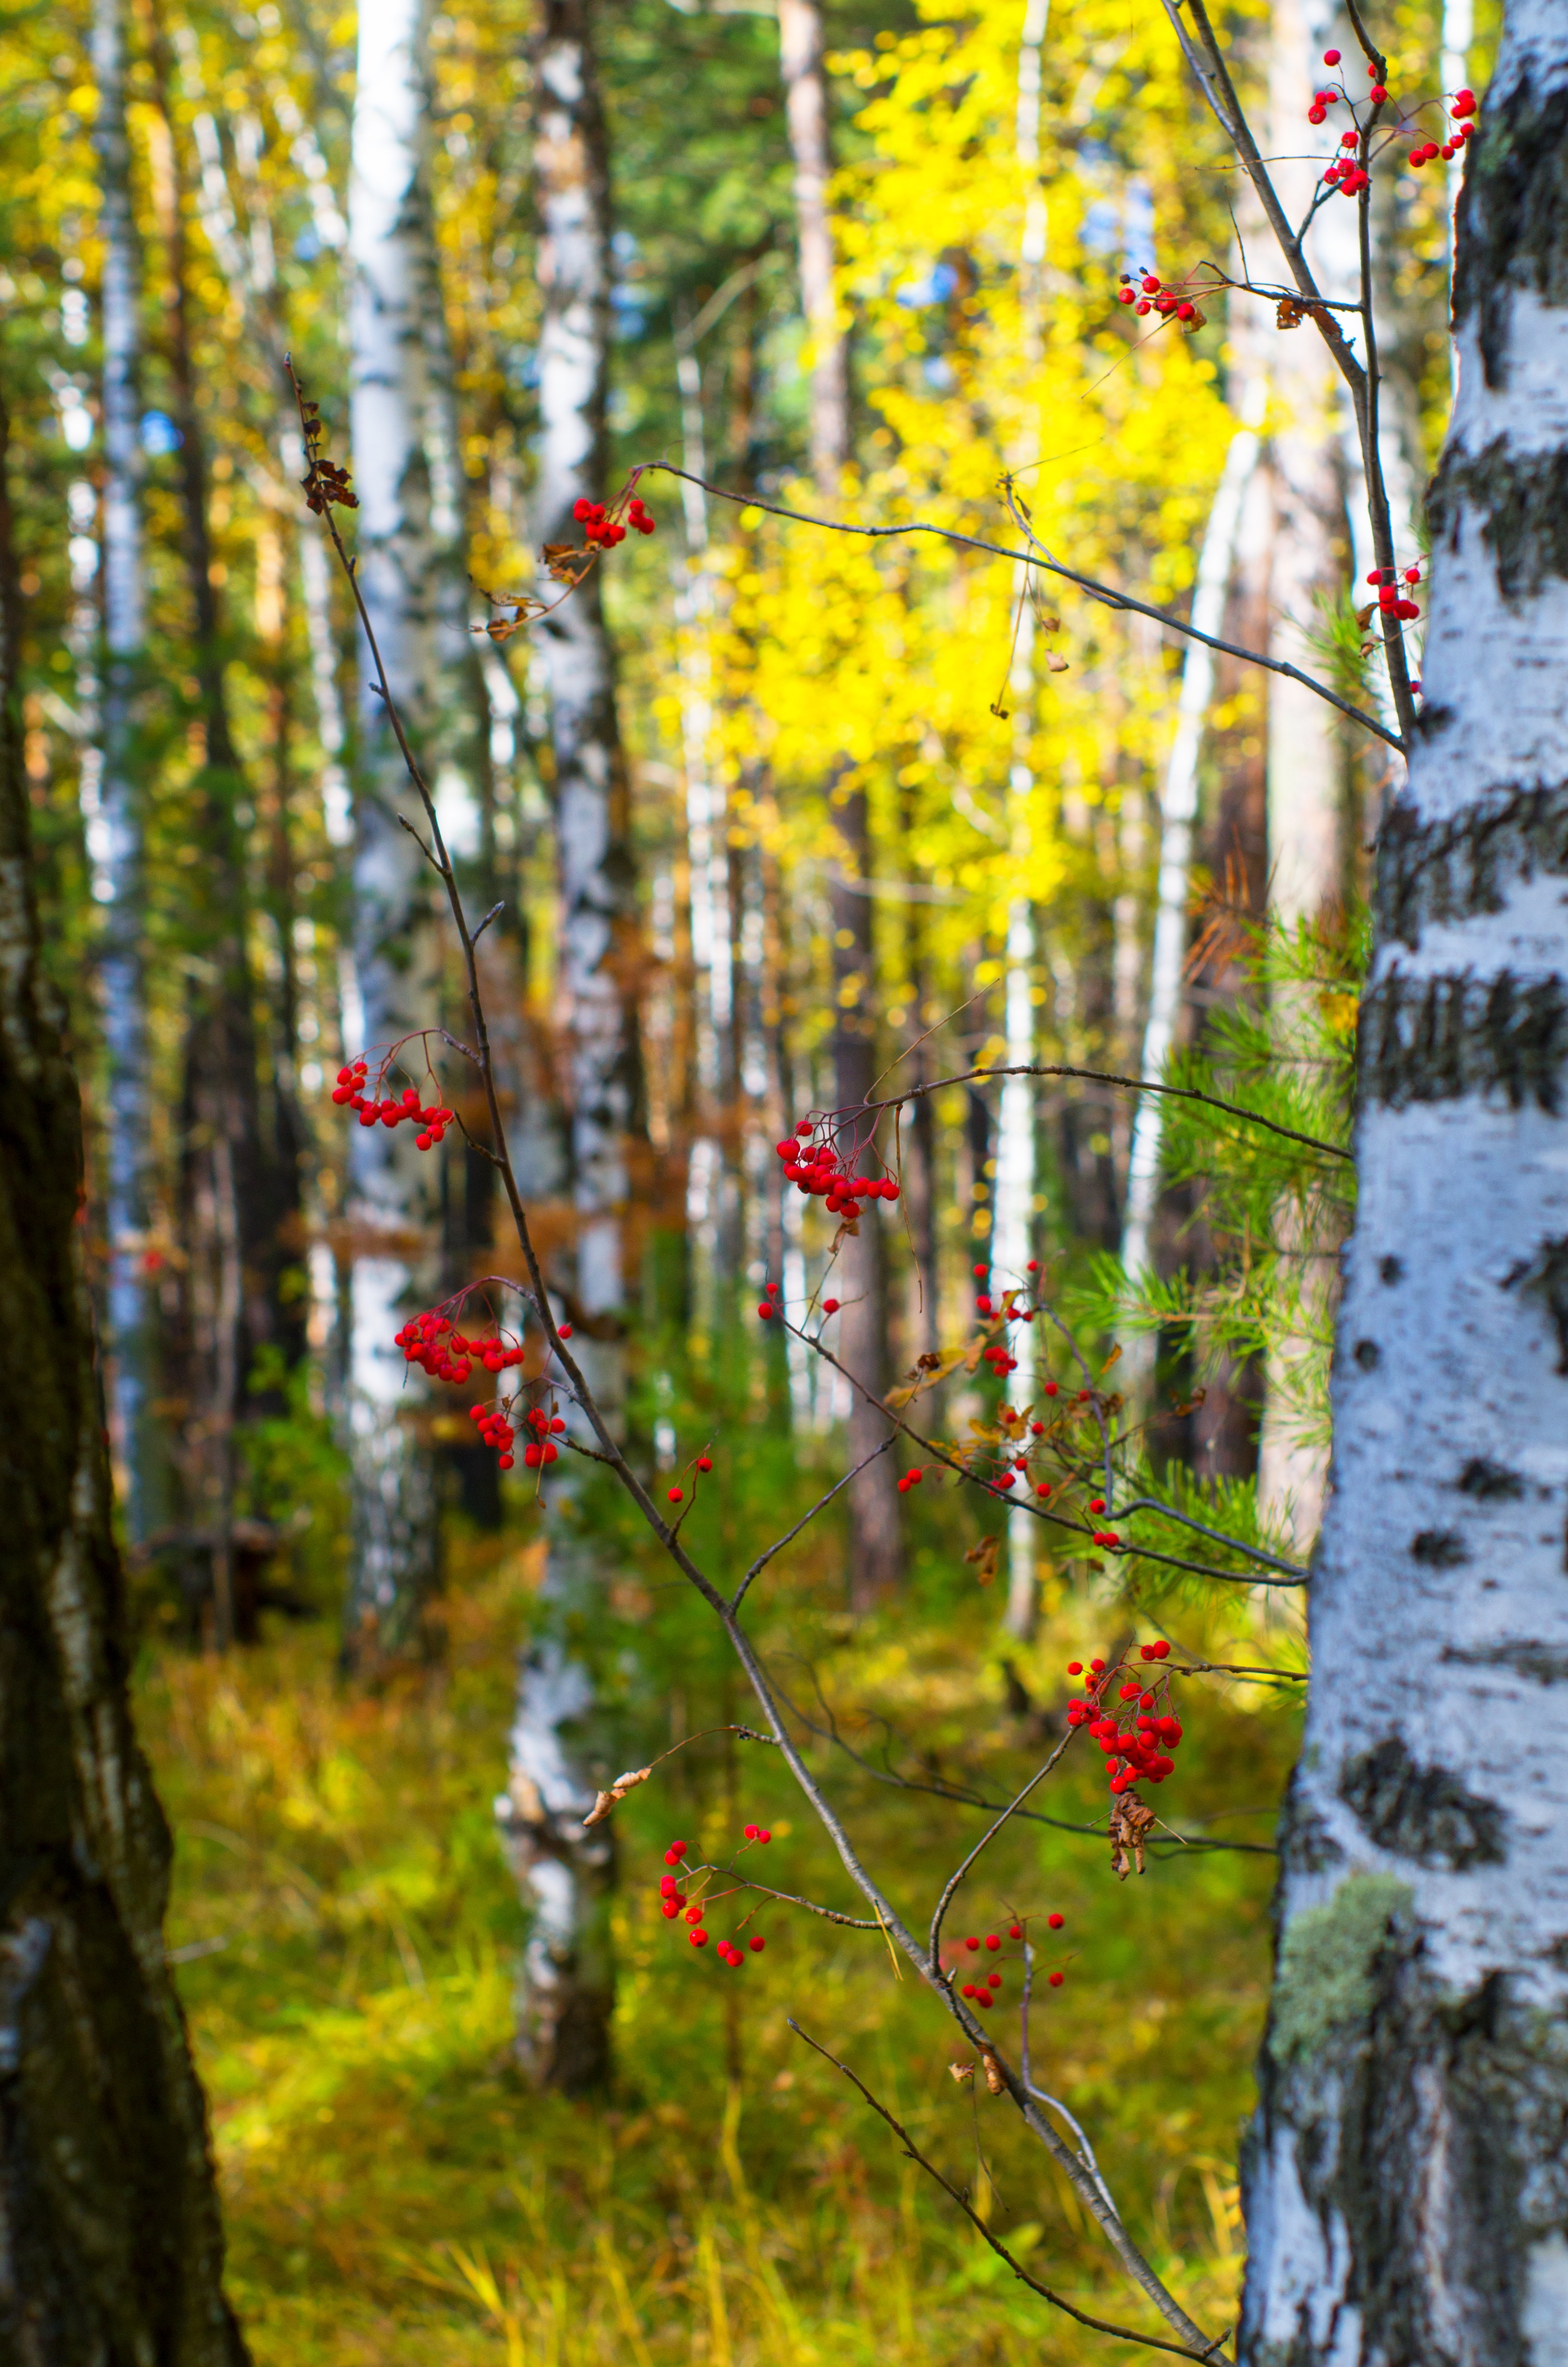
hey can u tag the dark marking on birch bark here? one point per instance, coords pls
(1520, 502)
(1545, 1276)
(1513, 215)
(1542, 1663)
(1460, 867)
(1439, 1548)
(1305, 1843)
(1435, 1040)
(1391, 1270)
(1422, 1813)
(1490, 1482)
(1368, 1354)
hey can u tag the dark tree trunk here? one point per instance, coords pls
(110, 2245)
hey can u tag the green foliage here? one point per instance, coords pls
(394, 2196)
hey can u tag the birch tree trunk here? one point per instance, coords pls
(402, 563)
(560, 1748)
(877, 1548)
(110, 2245)
(130, 1307)
(1407, 2193)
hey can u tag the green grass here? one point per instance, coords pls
(394, 2194)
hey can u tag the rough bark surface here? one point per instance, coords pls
(110, 2247)
(1406, 2187)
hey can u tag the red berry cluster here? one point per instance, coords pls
(988, 1992)
(1146, 292)
(601, 530)
(430, 1341)
(672, 1902)
(817, 1169)
(766, 1307)
(547, 1427)
(1392, 602)
(1138, 1751)
(912, 1479)
(349, 1092)
(1428, 150)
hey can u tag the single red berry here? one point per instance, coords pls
(829, 1306)
(675, 1495)
(563, 1330)
(1075, 1667)
(699, 1939)
(1377, 93)
(992, 1941)
(1055, 1921)
(704, 1463)
(506, 1462)
(1057, 1979)
(765, 1309)
(764, 1835)
(756, 1944)
(1096, 1503)
(971, 1943)
(1331, 57)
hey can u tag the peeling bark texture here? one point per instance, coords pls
(131, 1309)
(404, 561)
(110, 2246)
(561, 1742)
(1405, 2185)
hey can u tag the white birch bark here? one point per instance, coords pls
(1406, 2192)
(560, 1751)
(1015, 1133)
(131, 1314)
(396, 965)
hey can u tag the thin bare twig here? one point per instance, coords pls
(1056, 2300)
(805, 1519)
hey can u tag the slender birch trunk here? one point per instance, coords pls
(876, 1546)
(561, 1746)
(112, 2244)
(1405, 2185)
(397, 973)
(131, 1311)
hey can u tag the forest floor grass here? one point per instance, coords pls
(395, 2197)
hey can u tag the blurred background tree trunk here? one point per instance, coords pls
(406, 560)
(141, 1438)
(876, 1545)
(561, 1743)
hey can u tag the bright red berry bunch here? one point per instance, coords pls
(446, 1354)
(541, 1448)
(1391, 601)
(815, 1168)
(912, 1479)
(349, 1092)
(989, 1992)
(674, 1905)
(601, 531)
(1139, 1738)
(1146, 292)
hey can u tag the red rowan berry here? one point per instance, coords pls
(506, 1462)
(704, 1463)
(750, 1833)
(1057, 1979)
(765, 1309)
(993, 1980)
(1331, 57)
(1096, 1503)
(694, 1914)
(992, 1941)
(675, 1495)
(1015, 1930)
(1043, 1488)
(1055, 1921)
(1377, 93)
(829, 1306)
(764, 1835)
(971, 1943)
(969, 1991)
(675, 1853)
(1095, 1667)
(669, 1909)
(772, 1289)
(699, 1939)
(563, 1330)
(756, 1944)
(1051, 1388)
(1075, 1667)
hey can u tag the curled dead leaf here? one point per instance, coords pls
(994, 2079)
(962, 2072)
(617, 1792)
(1131, 1825)
(983, 1557)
